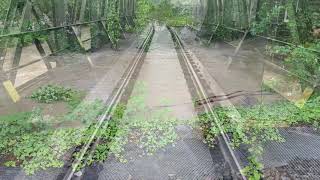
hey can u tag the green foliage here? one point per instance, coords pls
(301, 61)
(283, 20)
(166, 12)
(107, 134)
(266, 18)
(86, 112)
(129, 28)
(4, 5)
(76, 99)
(316, 18)
(10, 164)
(259, 124)
(144, 11)
(41, 150)
(34, 144)
(37, 145)
(54, 93)
(148, 130)
(222, 33)
(13, 126)
(163, 12)
(253, 170)
(179, 21)
(113, 23)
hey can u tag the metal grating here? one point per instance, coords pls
(188, 159)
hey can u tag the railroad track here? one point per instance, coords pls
(117, 96)
(201, 91)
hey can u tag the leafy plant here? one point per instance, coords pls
(144, 12)
(54, 93)
(33, 143)
(258, 125)
(36, 145)
(41, 150)
(301, 61)
(113, 23)
(149, 135)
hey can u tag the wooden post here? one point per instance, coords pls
(26, 16)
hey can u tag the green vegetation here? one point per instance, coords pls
(113, 23)
(32, 141)
(45, 15)
(110, 12)
(28, 137)
(86, 112)
(36, 145)
(144, 10)
(106, 134)
(301, 61)
(150, 135)
(53, 93)
(129, 125)
(167, 13)
(163, 11)
(259, 124)
(291, 22)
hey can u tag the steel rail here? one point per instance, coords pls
(224, 139)
(113, 102)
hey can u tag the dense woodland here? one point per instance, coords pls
(293, 26)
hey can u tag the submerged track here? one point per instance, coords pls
(116, 97)
(201, 91)
(170, 74)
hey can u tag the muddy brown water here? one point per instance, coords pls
(243, 72)
(75, 72)
(298, 156)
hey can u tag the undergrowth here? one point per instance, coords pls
(149, 130)
(33, 141)
(133, 124)
(260, 124)
(37, 144)
(54, 93)
(301, 61)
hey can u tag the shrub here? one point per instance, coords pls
(53, 93)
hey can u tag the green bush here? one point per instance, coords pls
(53, 93)
(28, 137)
(301, 61)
